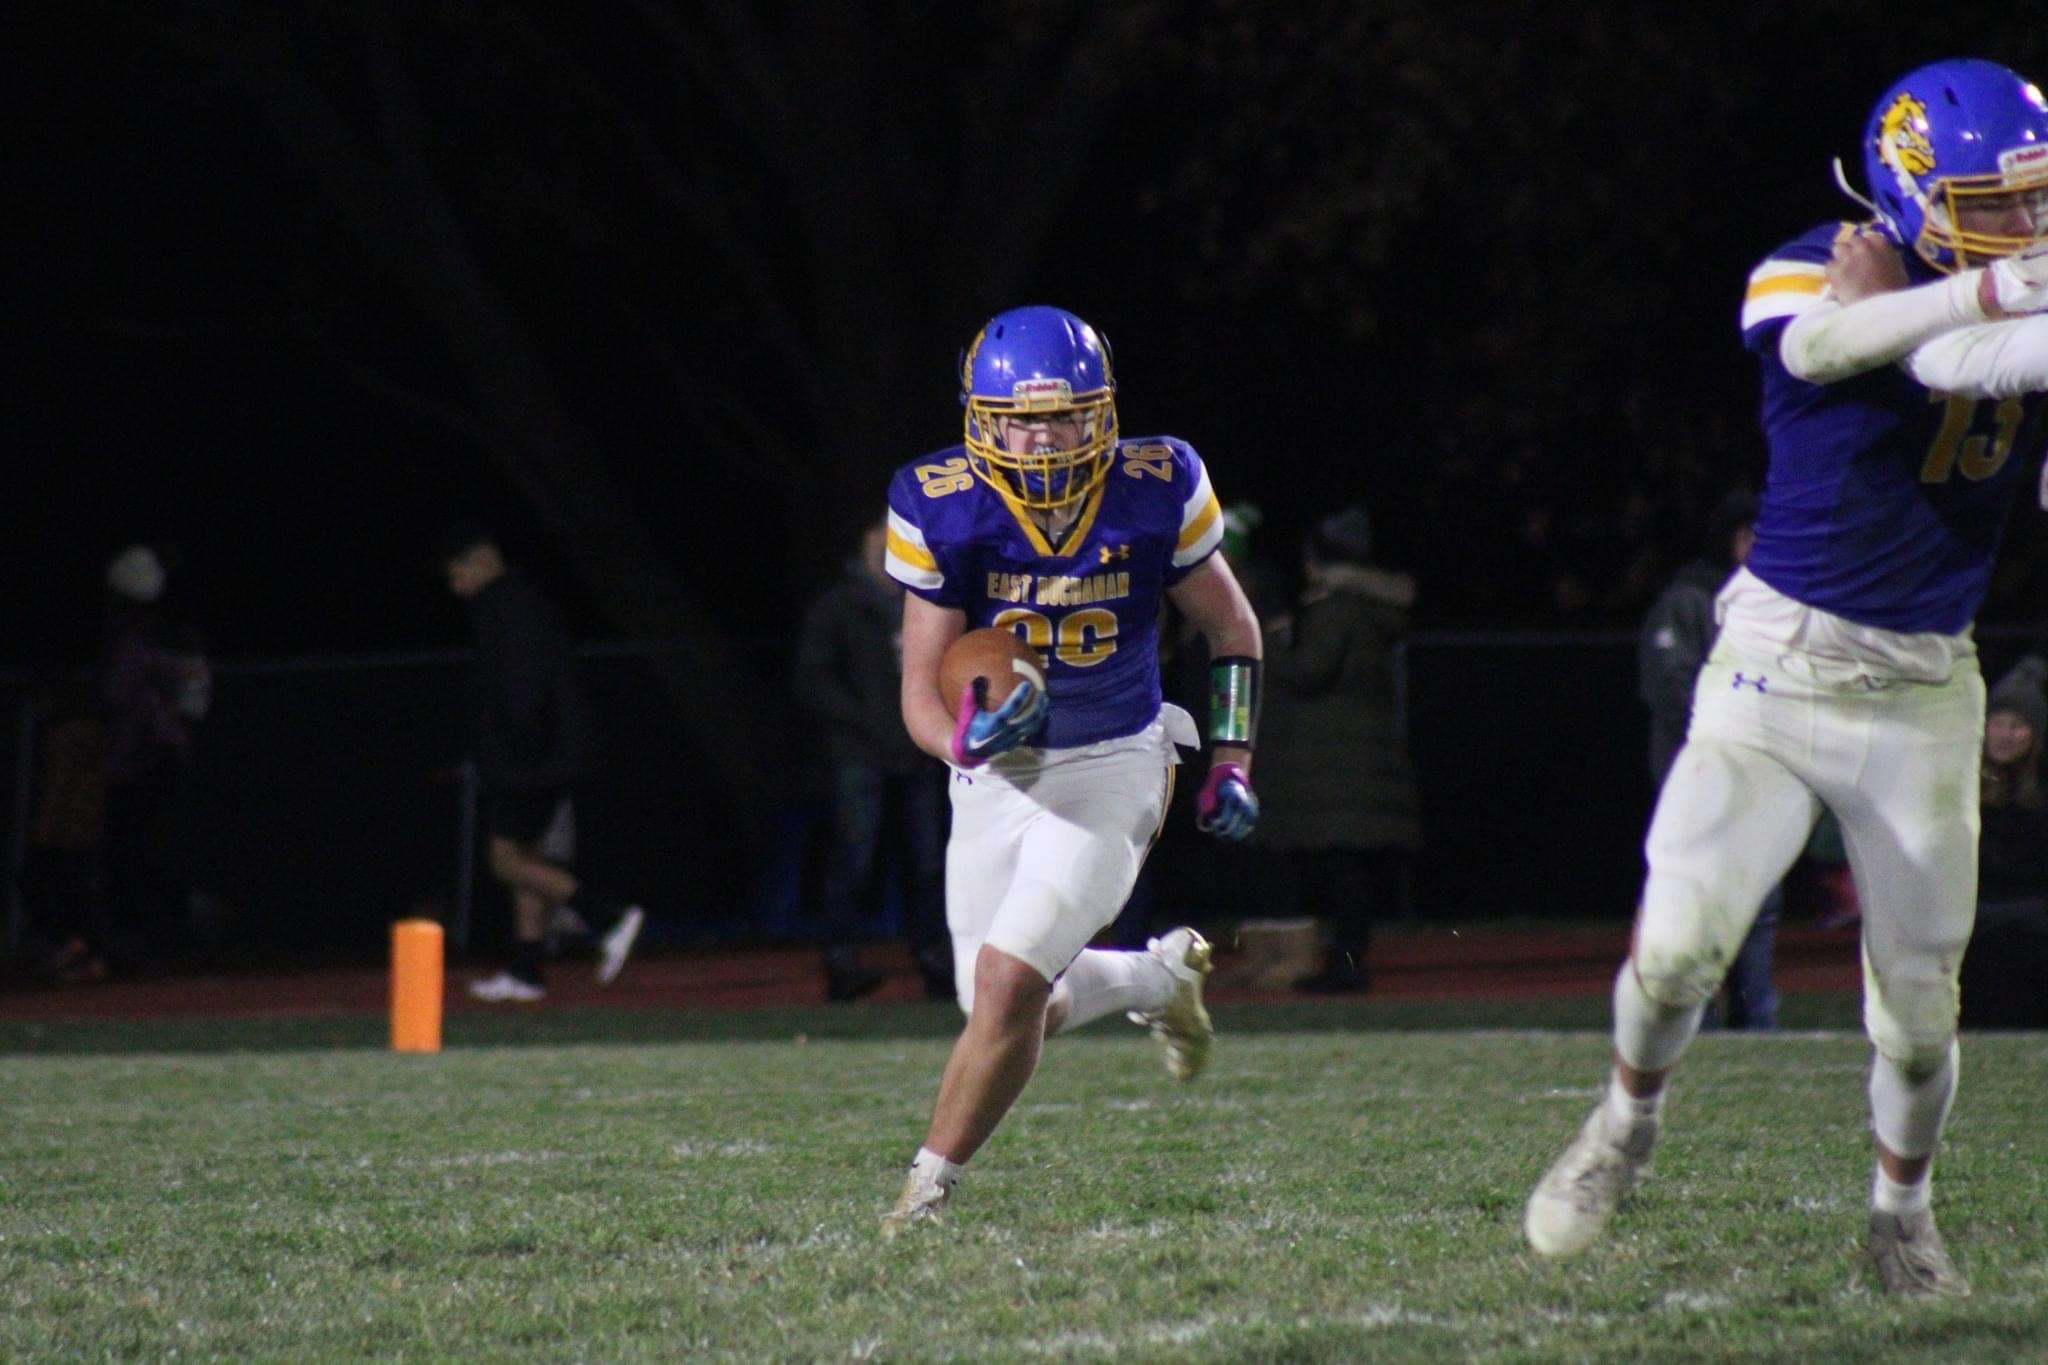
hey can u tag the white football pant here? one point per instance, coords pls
(1773, 736)
(1047, 843)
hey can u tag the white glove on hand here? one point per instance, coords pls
(2018, 283)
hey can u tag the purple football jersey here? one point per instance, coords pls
(1885, 500)
(1089, 604)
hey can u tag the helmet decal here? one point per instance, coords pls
(1902, 135)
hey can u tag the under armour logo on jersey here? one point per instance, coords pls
(1113, 552)
(1756, 682)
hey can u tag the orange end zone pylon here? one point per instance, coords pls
(416, 986)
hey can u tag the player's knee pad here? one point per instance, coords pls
(1912, 1021)
(1678, 969)
(1036, 926)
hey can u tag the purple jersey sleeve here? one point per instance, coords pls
(1201, 516)
(920, 555)
(1790, 281)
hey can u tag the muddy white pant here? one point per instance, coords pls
(1775, 735)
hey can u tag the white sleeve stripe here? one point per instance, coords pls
(1774, 306)
(904, 527)
(1202, 545)
(903, 571)
(1197, 501)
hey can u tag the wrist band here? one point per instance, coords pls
(1233, 700)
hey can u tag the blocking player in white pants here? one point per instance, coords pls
(1903, 363)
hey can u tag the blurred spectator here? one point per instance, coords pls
(888, 797)
(1334, 772)
(1672, 647)
(2005, 971)
(154, 688)
(528, 718)
(63, 877)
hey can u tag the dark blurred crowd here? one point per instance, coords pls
(106, 877)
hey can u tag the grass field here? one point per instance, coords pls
(286, 1191)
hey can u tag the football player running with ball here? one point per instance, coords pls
(1047, 522)
(1903, 366)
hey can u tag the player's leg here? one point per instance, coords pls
(1729, 822)
(1911, 826)
(1062, 856)
(517, 859)
(523, 980)
(1159, 986)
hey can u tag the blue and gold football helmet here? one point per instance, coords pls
(1045, 370)
(1953, 136)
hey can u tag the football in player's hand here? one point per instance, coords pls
(999, 655)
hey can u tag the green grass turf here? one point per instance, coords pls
(1324, 1193)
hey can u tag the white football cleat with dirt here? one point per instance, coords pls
(921, 1202)
(1182, 1025)
(1577, 1196)
(1907, 1251)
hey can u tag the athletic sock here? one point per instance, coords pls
(1889, 1196)
(1907, 1113)
(1627, 1110)
(1101, 982)
(933, 1173)
(1647, 1035)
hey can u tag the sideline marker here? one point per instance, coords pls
(415, 986)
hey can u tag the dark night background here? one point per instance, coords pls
(665, 288)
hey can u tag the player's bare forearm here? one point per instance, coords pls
(927, 630)
(1211, 599)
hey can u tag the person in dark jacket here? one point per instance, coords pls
(528, 738)
(1673, 645)
(2005, 970)
(888, 796)
(154, 687)
(1340, 801)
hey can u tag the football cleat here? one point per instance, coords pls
(505, 988)
(1906, 1248)
(1182, 1025)
(1579, 1193)
(921, 1202)
(618, 945)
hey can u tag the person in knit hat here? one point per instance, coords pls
(2005, 970)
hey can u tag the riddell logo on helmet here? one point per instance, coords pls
(2031, 160)
(1043, 393)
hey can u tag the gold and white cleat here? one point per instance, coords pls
(1182, 1025)
(920, 1202)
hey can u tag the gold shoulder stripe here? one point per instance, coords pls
(909, 553)
(1786, 284)
(1194, 530)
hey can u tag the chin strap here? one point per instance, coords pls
(1233, 700)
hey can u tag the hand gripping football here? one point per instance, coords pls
(999, 655)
